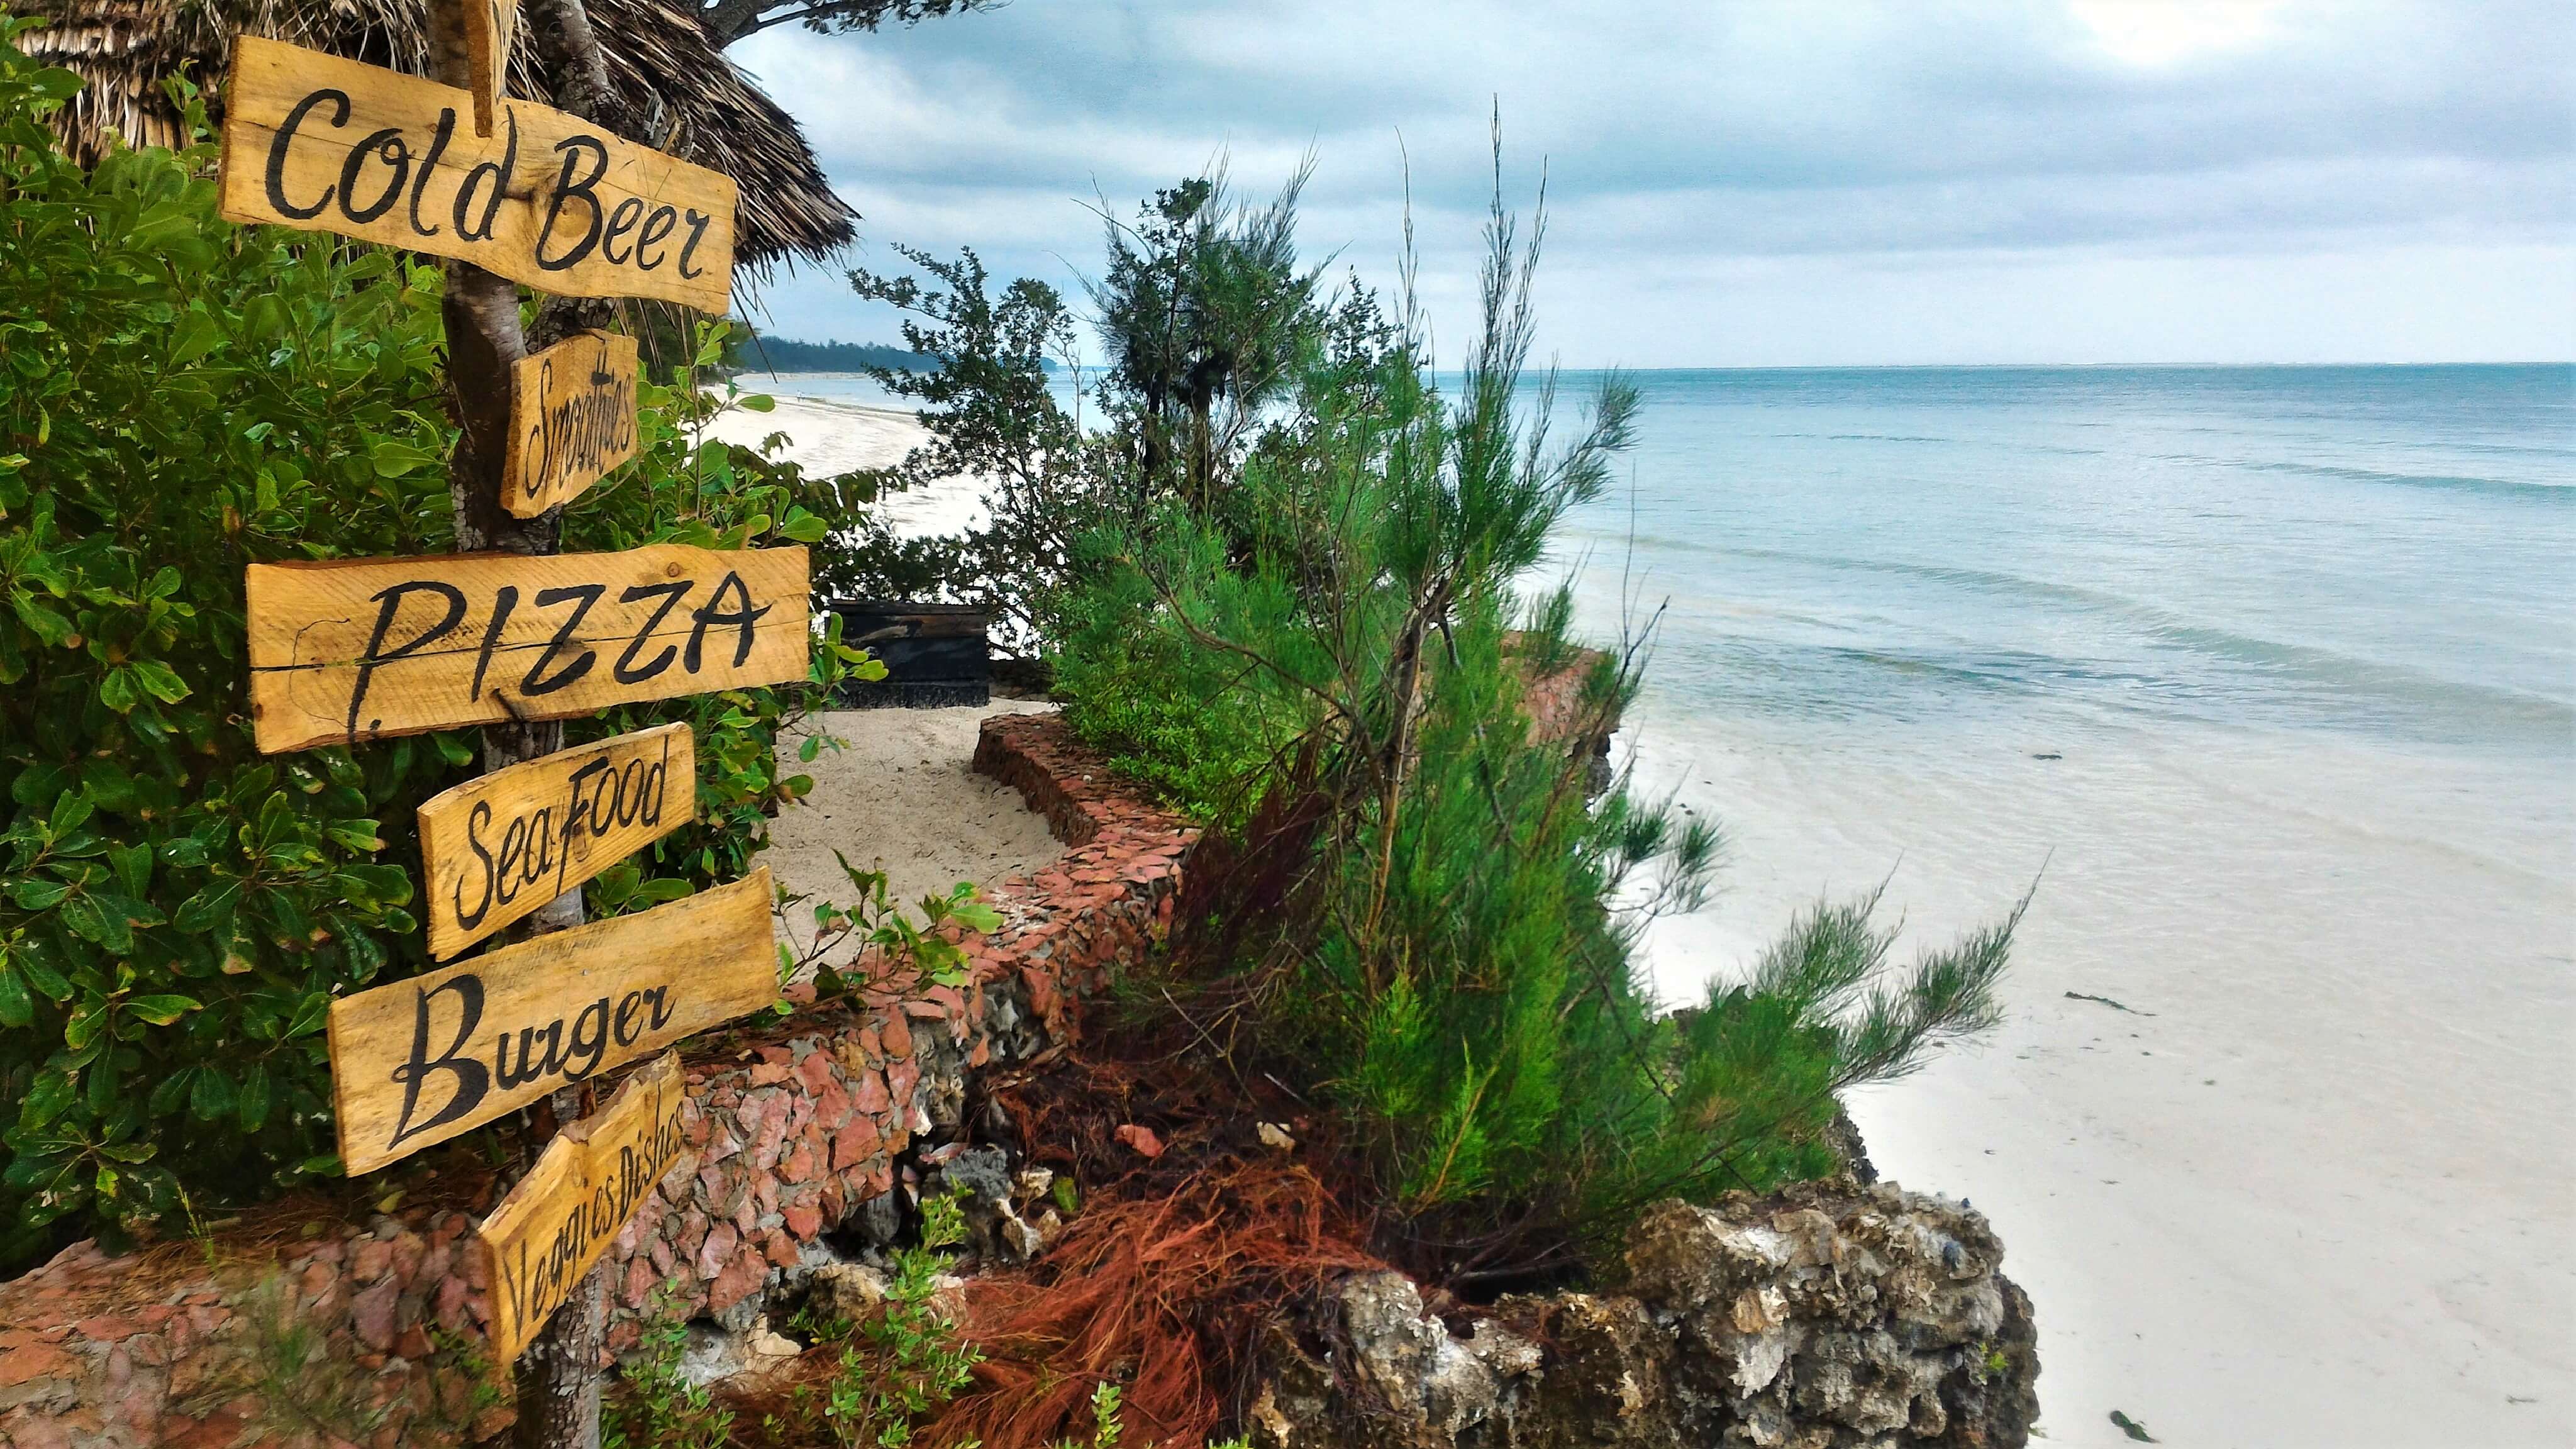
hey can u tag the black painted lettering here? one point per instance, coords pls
(389, 144)
(284, 141)
(573, 149)
(537, 681)
(390, 602)
(470, 1080)
(713, 612)
(589, 1041)
(665, 219)
(620, 222)
(697, 233)
(428, 166)
(626, 671)
(475, 820)
(497, 175)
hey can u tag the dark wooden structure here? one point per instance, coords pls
(935, 654)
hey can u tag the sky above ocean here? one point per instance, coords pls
(2037, 181)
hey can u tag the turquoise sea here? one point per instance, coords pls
(2383, 552)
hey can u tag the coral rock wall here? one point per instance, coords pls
(307, 1324)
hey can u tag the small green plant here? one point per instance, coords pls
(1105, 1428)
(656, 1407)
(874, 919)
(897, 1367)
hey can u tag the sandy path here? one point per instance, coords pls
(899, 796)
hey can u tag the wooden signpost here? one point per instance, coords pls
(490, 27)
(502, 845)
(572, 418)
(417, 1062)
(560, 1217)
(345, 652)
(349, 651)
(548, 199)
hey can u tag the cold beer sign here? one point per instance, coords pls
(546, 199)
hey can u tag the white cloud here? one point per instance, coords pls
(2307, 178)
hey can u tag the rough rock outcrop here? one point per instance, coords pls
(1829, 1316)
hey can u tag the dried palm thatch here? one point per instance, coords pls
(697, 104)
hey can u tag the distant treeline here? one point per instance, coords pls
(778, 354)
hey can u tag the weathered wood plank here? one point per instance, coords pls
(490, 25)
(572, 419)
(586, 1186)
(498, 847)
(354, 650)
(548, 199)
(417, 1062)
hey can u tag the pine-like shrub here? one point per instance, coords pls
(1424, 920)
(180, 397)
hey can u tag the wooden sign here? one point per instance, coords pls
(489, 28)
(501, 845)
(587, 1184)
(548, 199)
(572, 418)
(353, 650)
(417, 1062)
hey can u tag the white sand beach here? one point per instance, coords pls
(2306, 1183)
(828, 435)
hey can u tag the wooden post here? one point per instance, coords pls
(557, 1379)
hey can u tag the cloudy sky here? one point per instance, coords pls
(1814, 182)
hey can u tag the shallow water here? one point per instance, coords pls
(2267, 677)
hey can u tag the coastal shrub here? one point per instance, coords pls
(1420, 917)
(180, 397)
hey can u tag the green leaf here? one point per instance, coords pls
(34, 893)
(212, 1097)
(118, 691)
(160, 680)
(91, 921)
(251, 1103)
(207, 906)
(161, 1010)
(393, 458)
(17, 1008)
(43, 622)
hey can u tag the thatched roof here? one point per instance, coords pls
(659, 60)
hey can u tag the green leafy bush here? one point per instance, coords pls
(180, 397)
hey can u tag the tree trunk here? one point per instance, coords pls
(557, 1379)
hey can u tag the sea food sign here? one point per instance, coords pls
(546, 199)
